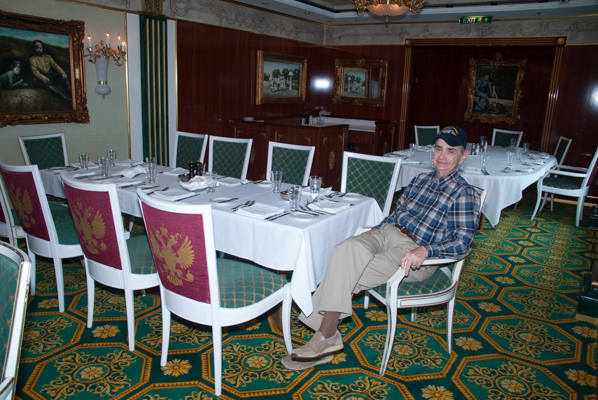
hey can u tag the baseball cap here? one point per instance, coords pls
(453, 136)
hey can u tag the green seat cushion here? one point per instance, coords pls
(561, 183)
(437, 282)
(65, 227)
(140, 253)
(243, 284)
(9, 271)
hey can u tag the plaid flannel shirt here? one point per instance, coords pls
(442, 213)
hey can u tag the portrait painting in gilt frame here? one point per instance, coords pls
(495, 90)
(41, 70)
(281, 78)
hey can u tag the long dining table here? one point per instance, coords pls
(284, 244)
(504, 185)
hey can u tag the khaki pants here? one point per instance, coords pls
(359, 263)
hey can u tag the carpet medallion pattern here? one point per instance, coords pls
(515, 335)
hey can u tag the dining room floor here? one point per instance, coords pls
(515, 335)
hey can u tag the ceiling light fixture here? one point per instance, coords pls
(389, 8)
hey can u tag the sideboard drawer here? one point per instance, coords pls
(359, 137)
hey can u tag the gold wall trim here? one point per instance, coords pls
(405, 94)
(490, 42)
(127, 94)
(553, 92)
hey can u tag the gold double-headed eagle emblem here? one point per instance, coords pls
(176, 258)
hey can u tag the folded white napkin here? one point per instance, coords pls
(329, 206)
(83, 174)
(229, 181)
(323, 191)
(173, 194)
(473, 169)
(90, 165)
(177, 171)
(194, 183)
(260, 211)
(131, 171)
(130, 183)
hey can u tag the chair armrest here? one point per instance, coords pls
(363, 229)
(579, 169)
(439, 261)
(566, 173)
(127, 235)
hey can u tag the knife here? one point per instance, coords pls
(188, 197)
(485, 172)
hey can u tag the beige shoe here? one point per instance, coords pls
(319, 346)
(300, 365)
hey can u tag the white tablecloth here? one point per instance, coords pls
(504, 189)
(285, 244)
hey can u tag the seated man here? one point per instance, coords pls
(436, 216)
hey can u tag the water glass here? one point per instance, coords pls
(111, 156)
(152, 169)
(431, 156)
(83, 160)
(276, 181)
(412, 147)
(483, 141)
(525, 148)
(295, 197)
(510, 156)
(484, 161)
(104, 163)
(513, 143)
(211, 180)
(518, 153)
(315, 183)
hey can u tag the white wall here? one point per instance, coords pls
(108, 117)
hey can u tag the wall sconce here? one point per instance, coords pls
(100, 55)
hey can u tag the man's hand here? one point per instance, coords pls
(46, 79)
(63, 76)
(373, 230)
(414, 259)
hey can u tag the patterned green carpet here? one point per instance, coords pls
(515, 336)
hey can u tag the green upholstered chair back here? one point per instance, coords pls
(562, 148)
(9, 269)
(44, 151)
(371, 178)
(503, 138)
(189, 147)
(228, 158)
(424, 134)
(291, 162)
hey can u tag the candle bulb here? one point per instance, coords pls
(123, 46)
(107, 39)
(89, 42)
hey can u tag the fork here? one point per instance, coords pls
(246, 204)
(308, 210)
(158, 190)
(272, 218)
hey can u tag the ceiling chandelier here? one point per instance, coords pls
(389, 8)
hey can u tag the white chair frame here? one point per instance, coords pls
(46, 248)
(212, 314)
(13, 351)
(10, 229)
(393, 302)
(393, 181)
(23, 139)
(233, 140)
(191, 135)
(119, 279)
(311, 149)
(581, 193)
(416, 127)
(520, 133)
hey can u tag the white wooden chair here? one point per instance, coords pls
(555, 182)
(200, 288)
(230, 156)
(110, 258)
(15, 269)
(424, 134)
(502, 137)
(292, 159)
(45, 151)
(373, 176)
(49, 228)
(440, 288)
(188, 147)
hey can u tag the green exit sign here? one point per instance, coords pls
(484, 19)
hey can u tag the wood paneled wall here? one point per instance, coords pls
(217, 78)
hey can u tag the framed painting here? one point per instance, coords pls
(360, 82)
(280, 78)
(41, 70)
(495, 90)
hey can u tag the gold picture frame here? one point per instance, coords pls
(495, 90)
(360, 82)
(62, 97)
(281, 78)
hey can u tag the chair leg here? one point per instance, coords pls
(391, 311)
(579, 211)
(450, 310)
(217, 346)
(538, 199)
(165, 334)
(366, 300)
(91, 296)
(59, 282)
(551, 201)
(413, 314)
(130, 310)
(32, 281)
(286, 320)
